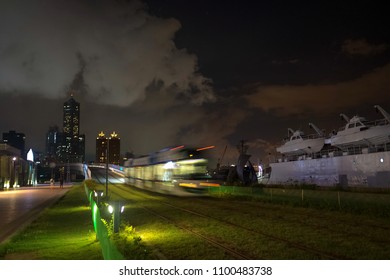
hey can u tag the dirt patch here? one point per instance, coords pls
(22, 256)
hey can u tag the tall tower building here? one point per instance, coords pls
(53, 139)
(114, 147)
(101, 147)
(71, 119)
(72, 148)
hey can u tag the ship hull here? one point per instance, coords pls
(371, 170)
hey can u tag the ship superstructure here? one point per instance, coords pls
(358, 154)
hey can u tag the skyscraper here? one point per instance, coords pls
(114, 147)
(72, 148)
(53, 139)
(101, 147)
(71, 121)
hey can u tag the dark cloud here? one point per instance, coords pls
(189, 73)
(319, 98)
(362, 47)
(119, 48)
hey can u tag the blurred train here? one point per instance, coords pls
(178, 171)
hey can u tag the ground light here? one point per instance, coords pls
(116, 208)
(98, 196)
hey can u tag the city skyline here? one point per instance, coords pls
(166, 73)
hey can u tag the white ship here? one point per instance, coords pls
(358, 131)
(299, 143)
(357, 155)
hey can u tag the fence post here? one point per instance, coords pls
(338, 198)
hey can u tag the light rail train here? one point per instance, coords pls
(177, 171)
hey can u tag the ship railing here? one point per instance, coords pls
(304, 137)
(335, 152)
(379, 122)
(311, 136)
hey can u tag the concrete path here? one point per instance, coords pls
(19, 207)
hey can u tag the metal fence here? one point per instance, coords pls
(376, 204)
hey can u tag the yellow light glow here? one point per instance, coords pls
(189, 185)
(210, 184)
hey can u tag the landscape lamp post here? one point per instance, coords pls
(98, 196)
(116, 208)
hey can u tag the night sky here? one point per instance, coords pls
(165, 73)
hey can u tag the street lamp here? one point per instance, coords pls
(107, 155)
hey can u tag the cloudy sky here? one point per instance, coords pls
(163, 73)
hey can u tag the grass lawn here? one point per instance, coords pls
(62, 232)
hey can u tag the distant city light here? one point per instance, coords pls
(30, 155)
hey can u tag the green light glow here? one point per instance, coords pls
(94, 214)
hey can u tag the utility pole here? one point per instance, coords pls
(107, 155)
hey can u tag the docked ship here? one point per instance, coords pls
(299, 143)
(358, 131)
(358, 154)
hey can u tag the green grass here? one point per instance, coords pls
(65, 231)
(124, 244)
(367, 203)
(62, 232)
(352, 234)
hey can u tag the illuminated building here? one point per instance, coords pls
(72, 143)
(15, 171)
(16, 140)
(101, 147)
(53, 139)
(114, 147)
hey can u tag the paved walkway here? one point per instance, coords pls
(20, 206)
